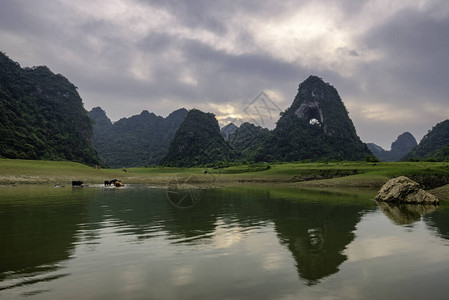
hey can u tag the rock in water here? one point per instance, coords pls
(404, 190)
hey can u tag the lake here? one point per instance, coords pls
(248, 242)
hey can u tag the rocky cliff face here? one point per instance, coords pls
(316, 126)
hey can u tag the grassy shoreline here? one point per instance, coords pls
(336, 175)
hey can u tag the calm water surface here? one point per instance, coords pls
(142, 242)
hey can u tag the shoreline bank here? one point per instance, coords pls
(326, 176)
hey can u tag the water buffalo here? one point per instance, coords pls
(118, 183)
(77, 183)
(109, 182)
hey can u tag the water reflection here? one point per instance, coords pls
(317, 232)
(246, 242)
(405, 214)
(438, 221)
(38, 232)
(315, 226)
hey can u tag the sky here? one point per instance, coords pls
(389, 60)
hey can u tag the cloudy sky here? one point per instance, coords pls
(388, 59)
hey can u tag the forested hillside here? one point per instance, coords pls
(434, 145)
(42, 116)
(141, 140)
(248, 139)
(198, 141)
(227, 130)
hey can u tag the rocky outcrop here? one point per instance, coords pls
(404, 190)
(310, 111)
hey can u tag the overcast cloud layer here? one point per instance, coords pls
(388, 59)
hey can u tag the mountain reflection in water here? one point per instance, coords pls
(243, 242)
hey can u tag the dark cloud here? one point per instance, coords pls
(209, 53)
(411, 76)
(157, 42)
(415, 46)
(196, 13)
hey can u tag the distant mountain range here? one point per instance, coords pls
(141, 140)
(42, 117)
(399, 148)
(315, 127)
(433, 146)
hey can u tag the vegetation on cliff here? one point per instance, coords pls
(141, 140)
(248, 139)
(198, 141)
(227, 130)
(42, 116)
(315, 127)
(434, 145)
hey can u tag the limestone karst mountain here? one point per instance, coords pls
(198, 141)
(316, 126)
(376, 150)
(434, 145)
(135, 141)
(42, 116)
(399, 148)
(247, 140)
(227, 130)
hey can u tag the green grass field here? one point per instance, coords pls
(336, 175)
